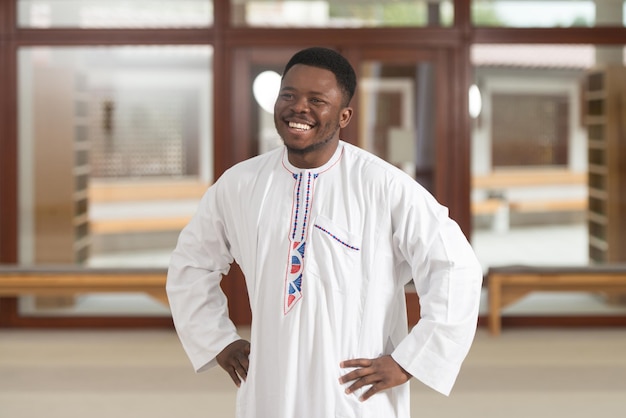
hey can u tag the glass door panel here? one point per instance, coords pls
(342, 13)
(115, 151)
(548, 14)
(395, 107)
(109, 14)
(529, 154)
(397, 115)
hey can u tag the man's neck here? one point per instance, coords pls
(312, 159)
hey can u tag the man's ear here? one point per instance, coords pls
(344, 118)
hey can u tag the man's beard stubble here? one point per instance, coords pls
(312, 147)
(309, 149)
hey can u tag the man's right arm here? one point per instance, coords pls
(198, 304)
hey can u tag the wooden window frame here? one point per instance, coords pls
(456, 40)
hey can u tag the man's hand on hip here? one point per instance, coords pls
(235, 360)
(381, 373)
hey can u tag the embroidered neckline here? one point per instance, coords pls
(318, 170)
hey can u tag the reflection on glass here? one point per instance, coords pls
(396, 114)
(529, 154)
(265, 89)
(265, 84)
(395, 110)
(572, 13)
(115, 151)
(349, 13)
(533, 154)
(114, 13)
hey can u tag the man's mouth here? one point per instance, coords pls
(299, 126)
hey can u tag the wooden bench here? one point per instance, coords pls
(73, 280)
(117, 226)
(171, 190)
(503, 179)
(508, 284)
(101, 191)
(553, 205)
(489, 206)
(500, 206)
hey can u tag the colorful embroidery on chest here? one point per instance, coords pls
(302, 198)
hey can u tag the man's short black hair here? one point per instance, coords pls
(330, 60)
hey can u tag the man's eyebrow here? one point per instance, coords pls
(313, 93)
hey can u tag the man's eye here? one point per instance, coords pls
(314, 100)
(287, 96)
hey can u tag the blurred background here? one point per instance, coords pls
(115, 116)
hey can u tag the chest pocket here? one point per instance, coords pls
(335, 255)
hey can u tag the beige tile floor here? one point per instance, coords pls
(145, 374)
(523, 373)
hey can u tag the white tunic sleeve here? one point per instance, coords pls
(199, 307)
(448, 280)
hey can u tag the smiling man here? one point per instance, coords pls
(327, 236)
(310, 110)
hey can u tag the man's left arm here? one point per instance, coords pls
(448, 280)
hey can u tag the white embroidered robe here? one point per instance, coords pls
(326, 255)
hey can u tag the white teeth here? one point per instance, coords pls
(302, 126)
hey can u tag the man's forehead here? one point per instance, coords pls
(309, 75)
(300, 68)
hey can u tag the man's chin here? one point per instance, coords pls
(299, 150)
(298, 146)
(302, 149)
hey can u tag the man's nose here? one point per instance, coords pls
(301, 105)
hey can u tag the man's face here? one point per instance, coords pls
(308, 113)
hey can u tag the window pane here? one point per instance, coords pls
(530, 152)
(136, 14)
(396, 109)
(562, 13)
(115, 151)
(529, 129)
(533, 202)
(349, 13)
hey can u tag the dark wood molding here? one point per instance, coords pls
(460, 183)
(8, 312)
(463, 16)
(508, 322)
(392, 37)
(7, 18)
(595, 35)
(89, 37)
(8, 152)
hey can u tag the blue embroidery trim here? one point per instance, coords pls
(295, 220)
(336, 238)
(306, 206)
